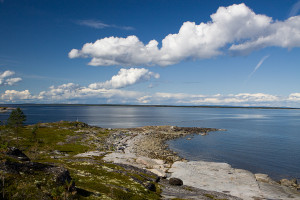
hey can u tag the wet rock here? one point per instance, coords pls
(175, 181)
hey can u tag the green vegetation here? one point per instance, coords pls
(212, 197)
(178, 199)
(16, 118)
(58, 144)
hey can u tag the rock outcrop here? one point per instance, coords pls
(34, 174)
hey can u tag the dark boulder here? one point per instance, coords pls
(61, 176)
(21, 163)
(81, 125)
(151, 187)
(175, 181)
(17, 153)
(157, 179)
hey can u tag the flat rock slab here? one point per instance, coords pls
(188, 192)
(221, 177)
(91, 154)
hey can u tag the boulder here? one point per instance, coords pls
(59, 175)
(158, 172)
(151, 187)
(288, 183)
(175, 181)
(17, 153)
(264, 178)
(62, 177)
(149, 163)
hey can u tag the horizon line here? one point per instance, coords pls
(154, 105)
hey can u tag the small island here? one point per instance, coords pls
(73, 160)
(5, 109)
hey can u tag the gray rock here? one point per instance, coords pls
(264, 178)
(175, 181)
(61, 176)
(287, 182)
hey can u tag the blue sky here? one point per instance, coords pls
(241, 53)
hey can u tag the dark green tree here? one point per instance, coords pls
(16, 120)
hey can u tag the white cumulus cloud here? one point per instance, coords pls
(13, 95)
(5, 80)
(294, 97)
(126, 77)
(234, 29)
(72, 92)
(108, 90)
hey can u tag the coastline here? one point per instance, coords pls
(6, 109)
(146, 148)
(153, 105)
(105, 163)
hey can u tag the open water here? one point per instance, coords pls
(259, 140)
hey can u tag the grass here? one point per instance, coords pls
(213, 197)
(57, 143)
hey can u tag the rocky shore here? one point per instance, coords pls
(5, 109)
(146, 148)
(72, 160)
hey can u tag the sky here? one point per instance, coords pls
(150, 52)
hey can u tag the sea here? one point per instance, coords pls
(259, 140)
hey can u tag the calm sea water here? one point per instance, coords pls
(259, 140)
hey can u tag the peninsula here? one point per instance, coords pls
(72, 160)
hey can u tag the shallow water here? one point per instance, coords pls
(259, 140)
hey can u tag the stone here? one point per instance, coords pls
(158, 172)
(175, 181)
(17, 153)
(263, 178)
(151, 187)
(288, 183)
(294, 181)
(157, 179)
(149, 163)
(90, 154)
(61, 176)
(159, 162)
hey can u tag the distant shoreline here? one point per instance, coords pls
(162, 106)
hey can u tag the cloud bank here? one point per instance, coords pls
(74, 93)
(5, 80)
(235, 29)
(116, 90)
(104, 90)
